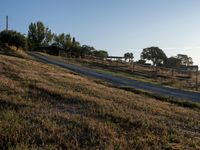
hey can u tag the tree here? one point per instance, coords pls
(64, 41)
(128, 56)
(86, 50)
(72, 47)
(68, 44)
(185, 59)
(13, 38)
(75, 50)
(48, 37)
(154, 54)
(39, 35)
(101, 54)
(172, 62)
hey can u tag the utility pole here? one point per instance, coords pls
(6, 23)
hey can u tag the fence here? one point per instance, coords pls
(186, 78)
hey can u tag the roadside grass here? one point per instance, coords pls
(173, 100)
(180, 102)
(46, 107)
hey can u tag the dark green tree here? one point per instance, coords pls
(48, 37)
(13, 38)
(86, 50)
(101, 54)
(129, 57)
(185, 59)
(59, 41)
(172, 62)
(64, 42)
(39, 35)
(75, 50)
(154, 54)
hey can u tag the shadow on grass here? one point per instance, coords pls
(78, 133)
(71, 105)
(85, 108)
(6, 50)
(5, 105)
(13, 76)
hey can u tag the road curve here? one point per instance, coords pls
(120, 81)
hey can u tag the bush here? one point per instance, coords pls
(13, 38)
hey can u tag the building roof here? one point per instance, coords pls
(115, 57)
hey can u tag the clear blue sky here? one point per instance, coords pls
(114, 25)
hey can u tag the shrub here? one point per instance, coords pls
(13, 38)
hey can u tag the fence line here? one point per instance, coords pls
(172, 74)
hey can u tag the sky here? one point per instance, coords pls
(114, 25)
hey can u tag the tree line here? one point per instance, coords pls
(157, 57)
(40, 36)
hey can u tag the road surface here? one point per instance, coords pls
(121, 81)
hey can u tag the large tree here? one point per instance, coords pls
(39, 35)
(185, 59)
(154, 54)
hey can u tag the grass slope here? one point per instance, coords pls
(46, 107)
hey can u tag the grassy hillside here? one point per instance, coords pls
(46, 107)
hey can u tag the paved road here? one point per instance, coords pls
(120, 81)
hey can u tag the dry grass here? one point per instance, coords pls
(46, 107)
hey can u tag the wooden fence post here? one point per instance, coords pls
(155, 72)
(132, 66)
(172, 75)
(190, 73)
(197, 73)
